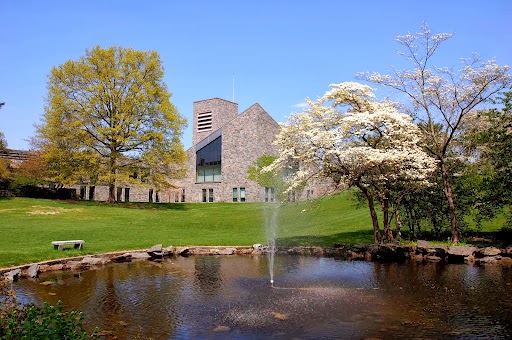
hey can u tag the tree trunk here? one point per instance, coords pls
(398, 222)
(451, 205)
(376, 230)
(386, 222)
(112, 180)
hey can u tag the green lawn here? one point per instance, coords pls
(28, 226)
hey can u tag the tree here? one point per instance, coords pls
(442, 97)
(269, 179)
(109, 119)
(348, 136)
(488, 136)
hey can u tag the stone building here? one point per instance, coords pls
(225, 144)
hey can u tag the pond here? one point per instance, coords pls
(230, 297)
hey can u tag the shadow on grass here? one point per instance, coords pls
(348, 238)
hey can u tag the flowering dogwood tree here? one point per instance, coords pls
(442, 98)
(356, 141)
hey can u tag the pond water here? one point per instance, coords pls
(230, 297)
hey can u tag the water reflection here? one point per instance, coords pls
(229, 297)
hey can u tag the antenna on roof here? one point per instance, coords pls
(233, 88)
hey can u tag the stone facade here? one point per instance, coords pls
(245, 137)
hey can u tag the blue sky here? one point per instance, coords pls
(280, 52)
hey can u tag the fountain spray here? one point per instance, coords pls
(271, 230)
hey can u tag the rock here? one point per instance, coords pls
(33, 270)
(488, 251)
(508, 251)
(202, 251)
(139, 256)
(461, 250)
(168, 251)
(155, 251)
(360, 248)
(76, 265)
(227, 251)
(52, 268)
(122, 258)
(245, 251)
(94, 261)
(280, 316)
(433, 258)
(13, 275)
(183, 251)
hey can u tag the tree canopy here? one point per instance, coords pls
(109, 119)
(353, 139)
(442, 98)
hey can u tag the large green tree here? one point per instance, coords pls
(109, 119)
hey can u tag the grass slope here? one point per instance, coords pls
(27, 226)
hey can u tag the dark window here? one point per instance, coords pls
(242, 194)
(150, 195)
(210, 195)
(183, 195)
(269, 194)
(83, 190)
(91, 192)
(119, 194)
(127, 194)
(235, 194)
(157, 200)
(204, 195)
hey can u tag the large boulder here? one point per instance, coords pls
(488, 251)
(33, 270)
(183, 251)
(460, 254)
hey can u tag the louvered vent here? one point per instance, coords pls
(204, 121)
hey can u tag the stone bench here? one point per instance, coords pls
(76, 244)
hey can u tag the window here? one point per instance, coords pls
(210, 195)
(242, 194)
(91, 192)
(150, 195)
(208, 162)
(309, 194)
(157, 200)
(204, 195)
(183, 195)
(83, 190)
(119, 194)
(127, 194)
(235, 194)
(269, 194)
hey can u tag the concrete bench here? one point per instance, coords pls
(76, 243)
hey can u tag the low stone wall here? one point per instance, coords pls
(422, 252)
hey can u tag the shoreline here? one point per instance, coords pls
(389, 253)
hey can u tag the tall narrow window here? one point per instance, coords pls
(208, 162)
(266, 193)
(127, 194)
(204, 195)
(83, 190)
(183, 195)
(119, 194)
(150, 196)
(157, 200)
(242, 194)
(210, 195)
(235, 194)
(91, 192)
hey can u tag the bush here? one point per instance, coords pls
(34, 322)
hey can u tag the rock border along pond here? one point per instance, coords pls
(422, 252)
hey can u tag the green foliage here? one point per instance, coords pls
(490, 138)
(270, 179)
(37, 322)
(107, 113)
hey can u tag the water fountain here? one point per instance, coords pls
(271, 231)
